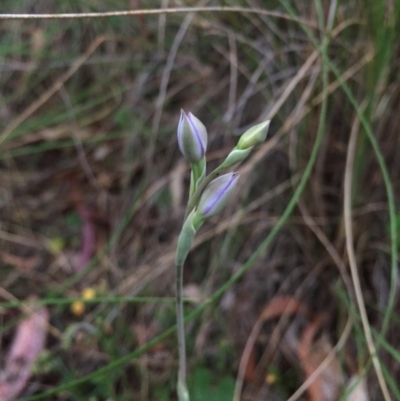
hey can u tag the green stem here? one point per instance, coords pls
(183, 246)
(183, 394)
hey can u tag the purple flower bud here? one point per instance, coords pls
(217, 194)
(192, 137)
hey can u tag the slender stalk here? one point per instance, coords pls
(183, 394)
(184, 244)
(348, 181)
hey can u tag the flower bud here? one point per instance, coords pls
(192, 137)
(253, 136)
(217, 194)
(235, 156)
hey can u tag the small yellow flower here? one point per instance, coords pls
(78, 308)
(270, 378)
(88, 293)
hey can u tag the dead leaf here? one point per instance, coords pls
(28, 342)
(326, 386)
(277, 307)
(23, 263)
(282, 306)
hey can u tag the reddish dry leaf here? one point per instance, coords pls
(327, 385)
(24, 264)
(277, 307)
(28, 342)
(282, 306)
(250, 370)
(304, 351)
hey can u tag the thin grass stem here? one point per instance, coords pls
(348, 178)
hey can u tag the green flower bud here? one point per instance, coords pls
(192, 137)
(216, 195)
(253, 136)
(235, 156)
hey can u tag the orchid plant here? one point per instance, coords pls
(208, 195)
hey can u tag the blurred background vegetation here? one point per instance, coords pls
(93, 191)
